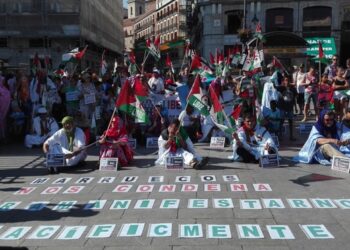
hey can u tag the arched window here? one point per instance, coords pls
(317, 21)
(279, 19)
(140, 10)
(131, 13)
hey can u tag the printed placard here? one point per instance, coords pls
(174, 162)
(72, 96)
(89, 98)
(305, 128)
(269, 161)
(98, 112)
(109, 164)
(341, 164)
(132, 143)
(152, 142)
(217, 142)
(55, 160)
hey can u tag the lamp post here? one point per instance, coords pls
(254, 10)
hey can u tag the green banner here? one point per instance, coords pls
(328, 45)
(197, 104)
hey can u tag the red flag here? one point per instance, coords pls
(211, 58)
(168, 61)
(126, 96)
(140, 90)
(320, 50)
(148, 43)
(196, 87)
(80, 54)
(215, 100)
(258, 28)
(236, 112)
(196, 62)
(132, 58)
(156, 41)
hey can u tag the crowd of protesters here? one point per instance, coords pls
(91, 101)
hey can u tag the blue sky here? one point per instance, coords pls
(125, 3)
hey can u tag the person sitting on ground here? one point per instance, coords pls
(252, 141)
(174, 141)
(42, 128)
(324, 141)
(70, 141)
(114, 143)
(190, 121)
(272, 118)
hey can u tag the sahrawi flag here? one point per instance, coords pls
(153, 47)
(128, 103)
(195, 96)
(217, 113)
(74, 55)
(169, 64)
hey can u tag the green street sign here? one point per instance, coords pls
(328, 45)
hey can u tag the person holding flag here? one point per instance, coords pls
(114, 143)
(175, 141)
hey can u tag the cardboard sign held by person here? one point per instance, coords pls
(55, 160)
(341, 164)
(217, 142)
(89, 98)
(132, 143)
(269, 161)
(109, 164)
(174, 162)
(152, 142)
(72, 96)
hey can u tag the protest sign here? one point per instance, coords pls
(152, 142)
(132, 143)
(217, 142)
(89, 98)
(174, 162)
(269, 161)
(55, 160)
(72, 96)
(109, 164)
(341, 164)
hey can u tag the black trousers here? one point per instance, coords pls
(246, 156)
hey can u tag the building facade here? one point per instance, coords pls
(222, 21)
(53, 27)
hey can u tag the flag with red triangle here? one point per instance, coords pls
(153, 47)
(74, 55)
(169, 64)
(141, 91)
(195, 96)
(128, 103)
(196, 63)
(321, 57)
(217, 113)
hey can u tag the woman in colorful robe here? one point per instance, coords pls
(114, 143)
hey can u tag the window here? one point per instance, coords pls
(234, 21)
(317, 20)
(39, 43)
(131, 11)
(2, 6)
(140, 10)
(279, 19)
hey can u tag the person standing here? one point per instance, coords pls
(310, 92)
(300, 80)
(5, 100)
(331, 70)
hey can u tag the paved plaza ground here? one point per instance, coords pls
(224, 206)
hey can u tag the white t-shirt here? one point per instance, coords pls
(300, 78)
(156, 84)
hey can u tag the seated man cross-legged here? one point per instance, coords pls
(252, 141)
(70, 141)
(174, 141)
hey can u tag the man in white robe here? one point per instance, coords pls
(70, 141)
(252, 141)
(172, 141)
(43, 127)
